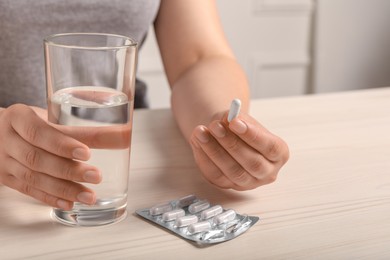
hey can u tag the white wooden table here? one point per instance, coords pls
(331, 201)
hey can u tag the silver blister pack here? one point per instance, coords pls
(197, 220)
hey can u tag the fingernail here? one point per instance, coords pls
(63, 204)
(202, 135)
(86, 197)
(80, 154)
(238, 126)
(218, 130)
(92, 176)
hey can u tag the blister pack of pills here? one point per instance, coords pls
(197, 220)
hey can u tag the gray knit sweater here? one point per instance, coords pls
(24, 24)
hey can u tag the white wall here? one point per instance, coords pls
(293, 47)
(270, 39)
(352, 45)
(150, 70)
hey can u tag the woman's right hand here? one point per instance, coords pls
(40, 161)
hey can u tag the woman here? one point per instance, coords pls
(201, 70)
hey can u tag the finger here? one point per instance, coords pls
(14, 183)
(66, 190)
(209, 170)
(36, 131)
(250, 159)
(108, 137)
(255, 135)
(42, 113)
(39, 160)
(223, 160)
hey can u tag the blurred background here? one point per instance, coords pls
(295, 47)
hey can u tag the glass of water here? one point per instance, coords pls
(90, 82)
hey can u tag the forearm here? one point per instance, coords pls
(204, 92)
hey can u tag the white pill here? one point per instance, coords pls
(186, 220)
(198, 206)
(172, 215)
(186, 201)
(199, 227)
(224, 217)
(160, 209)
(234, 109)
(211, 212)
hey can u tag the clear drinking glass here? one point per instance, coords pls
(90, 80)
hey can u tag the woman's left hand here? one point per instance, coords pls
(240, 155)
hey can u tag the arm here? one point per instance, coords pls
(200, 66)
(204, 77)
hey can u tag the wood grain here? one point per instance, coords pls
(331, 201)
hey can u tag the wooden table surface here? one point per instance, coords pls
(331, 200)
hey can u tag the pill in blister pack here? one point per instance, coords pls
(160, 209)
(224, 217)
(197, 220)
(198, 206)
(173, 214)
(185, 221)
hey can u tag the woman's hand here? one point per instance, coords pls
(40, 161)
(240, 155)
